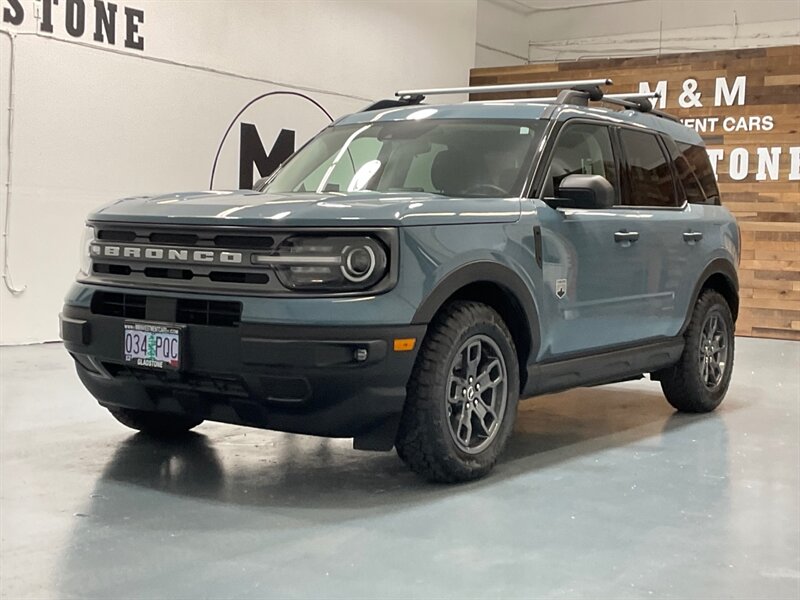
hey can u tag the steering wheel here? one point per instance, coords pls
(475, 189)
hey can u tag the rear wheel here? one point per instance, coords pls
(462, 396)
(698, 382)
(154, 423)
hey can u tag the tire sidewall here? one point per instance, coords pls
(710, 398)
(487, 457)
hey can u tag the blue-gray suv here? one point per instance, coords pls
(412, 271)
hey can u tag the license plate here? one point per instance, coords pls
(152, 345)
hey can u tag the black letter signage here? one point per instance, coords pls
(134, 17)
(251, 151)
(15, 17)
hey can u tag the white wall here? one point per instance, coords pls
(93, 123)
(514, 32)
(502, 35)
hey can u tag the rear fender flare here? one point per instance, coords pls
(718, 266)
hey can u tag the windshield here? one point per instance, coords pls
(463, 158)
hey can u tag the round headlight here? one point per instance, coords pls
(359, 263)
(328, 263)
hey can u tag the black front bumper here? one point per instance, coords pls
(301, 379)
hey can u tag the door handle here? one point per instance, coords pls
(692, 236)
(626, 236)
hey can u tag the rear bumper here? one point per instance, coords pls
(288, 378)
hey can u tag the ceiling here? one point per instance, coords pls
(529, 7)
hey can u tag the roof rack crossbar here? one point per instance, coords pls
(393, 103)
(578, 91)
(609, 97)
(580, 84)
(640, 102)
(633, 96)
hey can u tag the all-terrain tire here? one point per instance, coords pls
(162, 425)
(686, 384)
(425, 441)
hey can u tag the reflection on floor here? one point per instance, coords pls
(604, 493)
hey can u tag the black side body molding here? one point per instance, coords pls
(602, 367)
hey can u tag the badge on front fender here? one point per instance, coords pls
(561, 288)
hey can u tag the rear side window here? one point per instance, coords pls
(695, 172)
(650, 181)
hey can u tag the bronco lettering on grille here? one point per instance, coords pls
(176, 255)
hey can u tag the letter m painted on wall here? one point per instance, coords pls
(252, 152)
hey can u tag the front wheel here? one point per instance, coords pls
(462, 395)
(698, 382)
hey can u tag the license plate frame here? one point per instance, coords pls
(165, 356)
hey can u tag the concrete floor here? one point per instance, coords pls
(604, 493)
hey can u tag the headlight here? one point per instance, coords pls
(331, 263)
(85, 260)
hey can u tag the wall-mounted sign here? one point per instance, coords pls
(263, 134)
(739, 162)
(98, 20)
(746, 106)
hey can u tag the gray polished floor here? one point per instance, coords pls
(604, 493)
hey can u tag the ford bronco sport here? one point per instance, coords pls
(412, 271)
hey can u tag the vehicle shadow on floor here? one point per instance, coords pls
(260, 468)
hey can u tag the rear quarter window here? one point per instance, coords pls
(695, 172)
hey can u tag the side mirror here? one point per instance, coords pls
(260, 183)
(584, 191)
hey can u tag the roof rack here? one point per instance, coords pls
(633, 100)
(578, 91)
(585, 85)
(640, 102)
(392, 103)
(611, 98)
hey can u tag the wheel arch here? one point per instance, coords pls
(499, 287)
(720, 276)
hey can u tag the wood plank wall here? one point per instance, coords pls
(767, 209)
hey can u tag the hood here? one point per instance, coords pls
(250, 208)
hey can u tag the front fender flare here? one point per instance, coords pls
(483, 272)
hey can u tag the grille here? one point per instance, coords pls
(111, 235)
(263, 242)
(129, 306)
(180, 239)
(208, 312)
(184, 273)
(109, 269)
(163, 273)
(214, 313)
(205, 238)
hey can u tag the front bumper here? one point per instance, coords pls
(301, 379)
